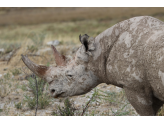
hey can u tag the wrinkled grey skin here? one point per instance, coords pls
(129, 55)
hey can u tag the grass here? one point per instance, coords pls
(16, 71)
(161, 111)
(7, 76)
(32, 48)
(70, 110)
(64, 32)
(65, 28)
(18, 105)
(26, 16)
(8, 85)
(67, 110)
(1, 110)
(37, 38)
(11, 46)
(118, 105)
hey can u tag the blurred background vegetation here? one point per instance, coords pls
(31, 15)
(16, 23)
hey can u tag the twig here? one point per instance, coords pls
(27, 75)
(24, 72)
(87, 105)
(34, 76)
(13, 52)
(35, 55)
(94, 95)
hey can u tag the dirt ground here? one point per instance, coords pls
(12, 92)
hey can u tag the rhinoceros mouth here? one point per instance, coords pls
(59, 95)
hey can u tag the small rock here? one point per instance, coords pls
(97, 104)
(19, 91)
(77, 106)
(55, 42)
(12, 76)
(40, 51)
(0, 75)
(2, 50)
(104, 86)
(29, 89)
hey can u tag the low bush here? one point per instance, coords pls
(43, 98)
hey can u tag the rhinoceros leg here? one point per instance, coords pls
(142, 104)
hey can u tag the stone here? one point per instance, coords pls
(55, 42)
(2, 50)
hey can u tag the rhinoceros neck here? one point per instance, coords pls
(104, 43)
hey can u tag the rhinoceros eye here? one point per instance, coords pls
(68, 73)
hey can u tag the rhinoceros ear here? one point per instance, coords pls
(88, 43)
(84, 40)
(59, 59)
(37, 69)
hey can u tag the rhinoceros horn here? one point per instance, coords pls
(37, 69)
(59, 59)
(40, 70)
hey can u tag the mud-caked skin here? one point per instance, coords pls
(129, 55)
(71, 80)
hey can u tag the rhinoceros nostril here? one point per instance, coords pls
(52, 91)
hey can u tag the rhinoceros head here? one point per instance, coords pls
(68, 78)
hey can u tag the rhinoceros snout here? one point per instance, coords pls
(56, 93)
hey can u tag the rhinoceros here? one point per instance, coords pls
(129, 55)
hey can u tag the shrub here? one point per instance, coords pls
(43, 99)
(70, 110)
(32, 48)
(16, 72)
(1, 110)
(161, 111)
(18, 105)
(67, 110)
(7, 76)
(37, 38)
